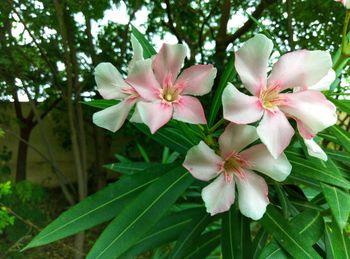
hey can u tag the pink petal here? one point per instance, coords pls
(235, 138)
(275, 132)
(260, 159)
(219, 195)
(137, 51)
(325, 82)
(141, 77)
(112, 118)
(240, 108)
(189, 109)
(315, 150)
(302, 68)
(252, 195)
(169, 61)
(311, 108)
(110, 82)
(251, 62)
(155, 114)
(202, 162)
(197, 80)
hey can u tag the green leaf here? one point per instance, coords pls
(286, 235)
(169, 137)
(342, 135)
(227, 76)
(101, 103)
(204, 245)
(337, 242)
(144, 211)
(343, 105)
(148, 50)
(130, 168)
(339, 203)
(97, 208)
(340, 156)
(189, 235)
(259, 243)
(273, 251)
(236, 241)
(317, 171)
(168, 229)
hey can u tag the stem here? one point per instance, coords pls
(345, 32)
(218, 124)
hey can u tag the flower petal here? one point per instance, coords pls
(137, 51)
(325, 82)
(302, 68)
(260, 159)
(235, 138)
(312, 109)
(315, 150)
(275, 132)
(252, 195)
(197, 80)
(239, 107)
(155, 114)
(251, 62)
(141, 77)
(219, 195)
(136, 117)
(189, 109)
(202, 162)
(112, 118)
(109, 81)
(169, 61)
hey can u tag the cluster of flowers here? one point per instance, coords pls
(160, 94)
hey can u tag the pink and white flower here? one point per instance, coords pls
(111, 85)
(346, 3)
(308, 107)
(167, 95)
(234, 166)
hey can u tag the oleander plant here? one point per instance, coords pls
(256, 155)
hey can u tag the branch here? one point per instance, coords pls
(170, 24)
(264, 4)
(289, 25)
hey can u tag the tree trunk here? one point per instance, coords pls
(22, 154)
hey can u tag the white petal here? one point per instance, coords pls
(219, 195)
(109, 81)
(235, 138)
(301, 68)
(252, 195)
(251, 62)
(202, 162)
(260, 159)
(275, 132)
(325, 82)
(112, 118)
(239, 107)
(137, 51)
(315, 150)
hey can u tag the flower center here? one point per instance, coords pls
(270, 98)
(233, 165)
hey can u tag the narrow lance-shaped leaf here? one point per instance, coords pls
(168, 229)
(142, 213)
(337, 242)
(342, 135)
(97, 208)
(286, 235)
(339, 203)
(148, 50)
(236, 240)
(189, 235)
(204, 245)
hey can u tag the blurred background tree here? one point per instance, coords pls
(49, 49)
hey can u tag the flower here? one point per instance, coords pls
(111, 85)
(165, 94)
(298, 69)
(234, 167)
(346, 3)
